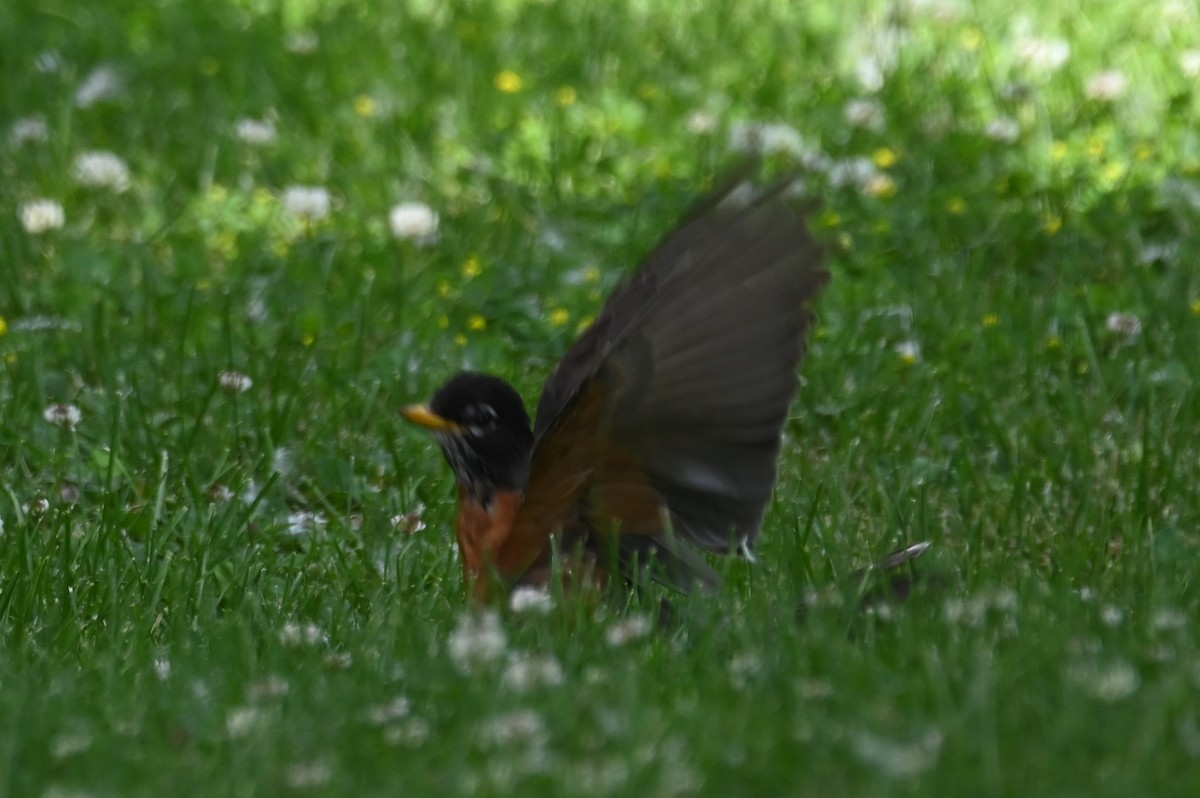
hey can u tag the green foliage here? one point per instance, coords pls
(214, 586)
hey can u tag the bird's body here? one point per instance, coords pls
(657, 435)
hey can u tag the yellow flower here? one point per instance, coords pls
(591, 274)
(1196, 307)
(460, 339)
(444, 289)
(308, 339)
(991, 320)
(885, 157)
(1096, 146)
(559, 317)
(472, 268)
(956, 205)
(584, 323)
(364, 105)
(476, 323)
(972, 38)
(3, 326)
(1053, 342)
(881, 187)
(565, 96)
(828, 220)
(1113, 171)
(1052, 223)
(1058, 150)
(509, 82)
(1144, 152)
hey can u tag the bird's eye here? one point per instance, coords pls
(481, 414)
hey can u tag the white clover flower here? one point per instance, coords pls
(626, 631)
(864, 112)
(256, 131)
(63, 415)
(303, 522)
(242, 720)
(895, 758)
(1107, 682)
(100, 169)
(522, 726)
(382, 714)
(307, 202)
(41, 215)
(1112, 615)
(1126, 325)
(701, 122)
(298, 635)
(1189, 64)
(234, 381)
(527, 600)
(1043, 55)
(476, 641)
(308, 775)
(1004, 128)
(1107, 86)
(413, 220)
(102, 83)
(29, 128)
(527, 674)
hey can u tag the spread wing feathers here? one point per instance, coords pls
(683, 384)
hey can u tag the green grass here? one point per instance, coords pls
(155, 638)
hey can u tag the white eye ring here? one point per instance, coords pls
(486, 413)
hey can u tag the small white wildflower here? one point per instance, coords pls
(1168, 619)
(856, 172)
(909, 352)
(1108, 682)
(527, 600)
(1043, 55)
(41, 215)
(162, 668)
(39, 506)
(864, 112)
(411, 522)
(870, 73)
(768, 139)
(1107, 86)
(234, 381)
(307, 202)
(522, 726)
(242, 720)
(701, 122)
(48, 62)
(1004, 128)
(63, 415)
(626, 631)
(897, 759)
(382, 714)
(1158, 253)
(413, 220)
(101, 169)
(1111, 615)
(303, 522)
(255, 132)
(530, 673)
(308, 775)
(411, 733)
(70, 743)
(743, 668)
(338, 660)
(1189, 64)
(302, 42)
(219, 493)
(1126, 325)
(30, 128)
(102, 83)
(296, 635)
(477, 640)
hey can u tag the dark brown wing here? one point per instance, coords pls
(680, 388)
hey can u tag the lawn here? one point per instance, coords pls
(235, 239)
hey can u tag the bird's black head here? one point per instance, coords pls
(481, 424)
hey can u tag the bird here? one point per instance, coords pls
(657, 436)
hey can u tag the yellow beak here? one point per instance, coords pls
(422, 416)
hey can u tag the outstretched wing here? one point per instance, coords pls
(662, 424)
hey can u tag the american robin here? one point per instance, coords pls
(657, 435)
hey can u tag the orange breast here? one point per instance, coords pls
(481, 532)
